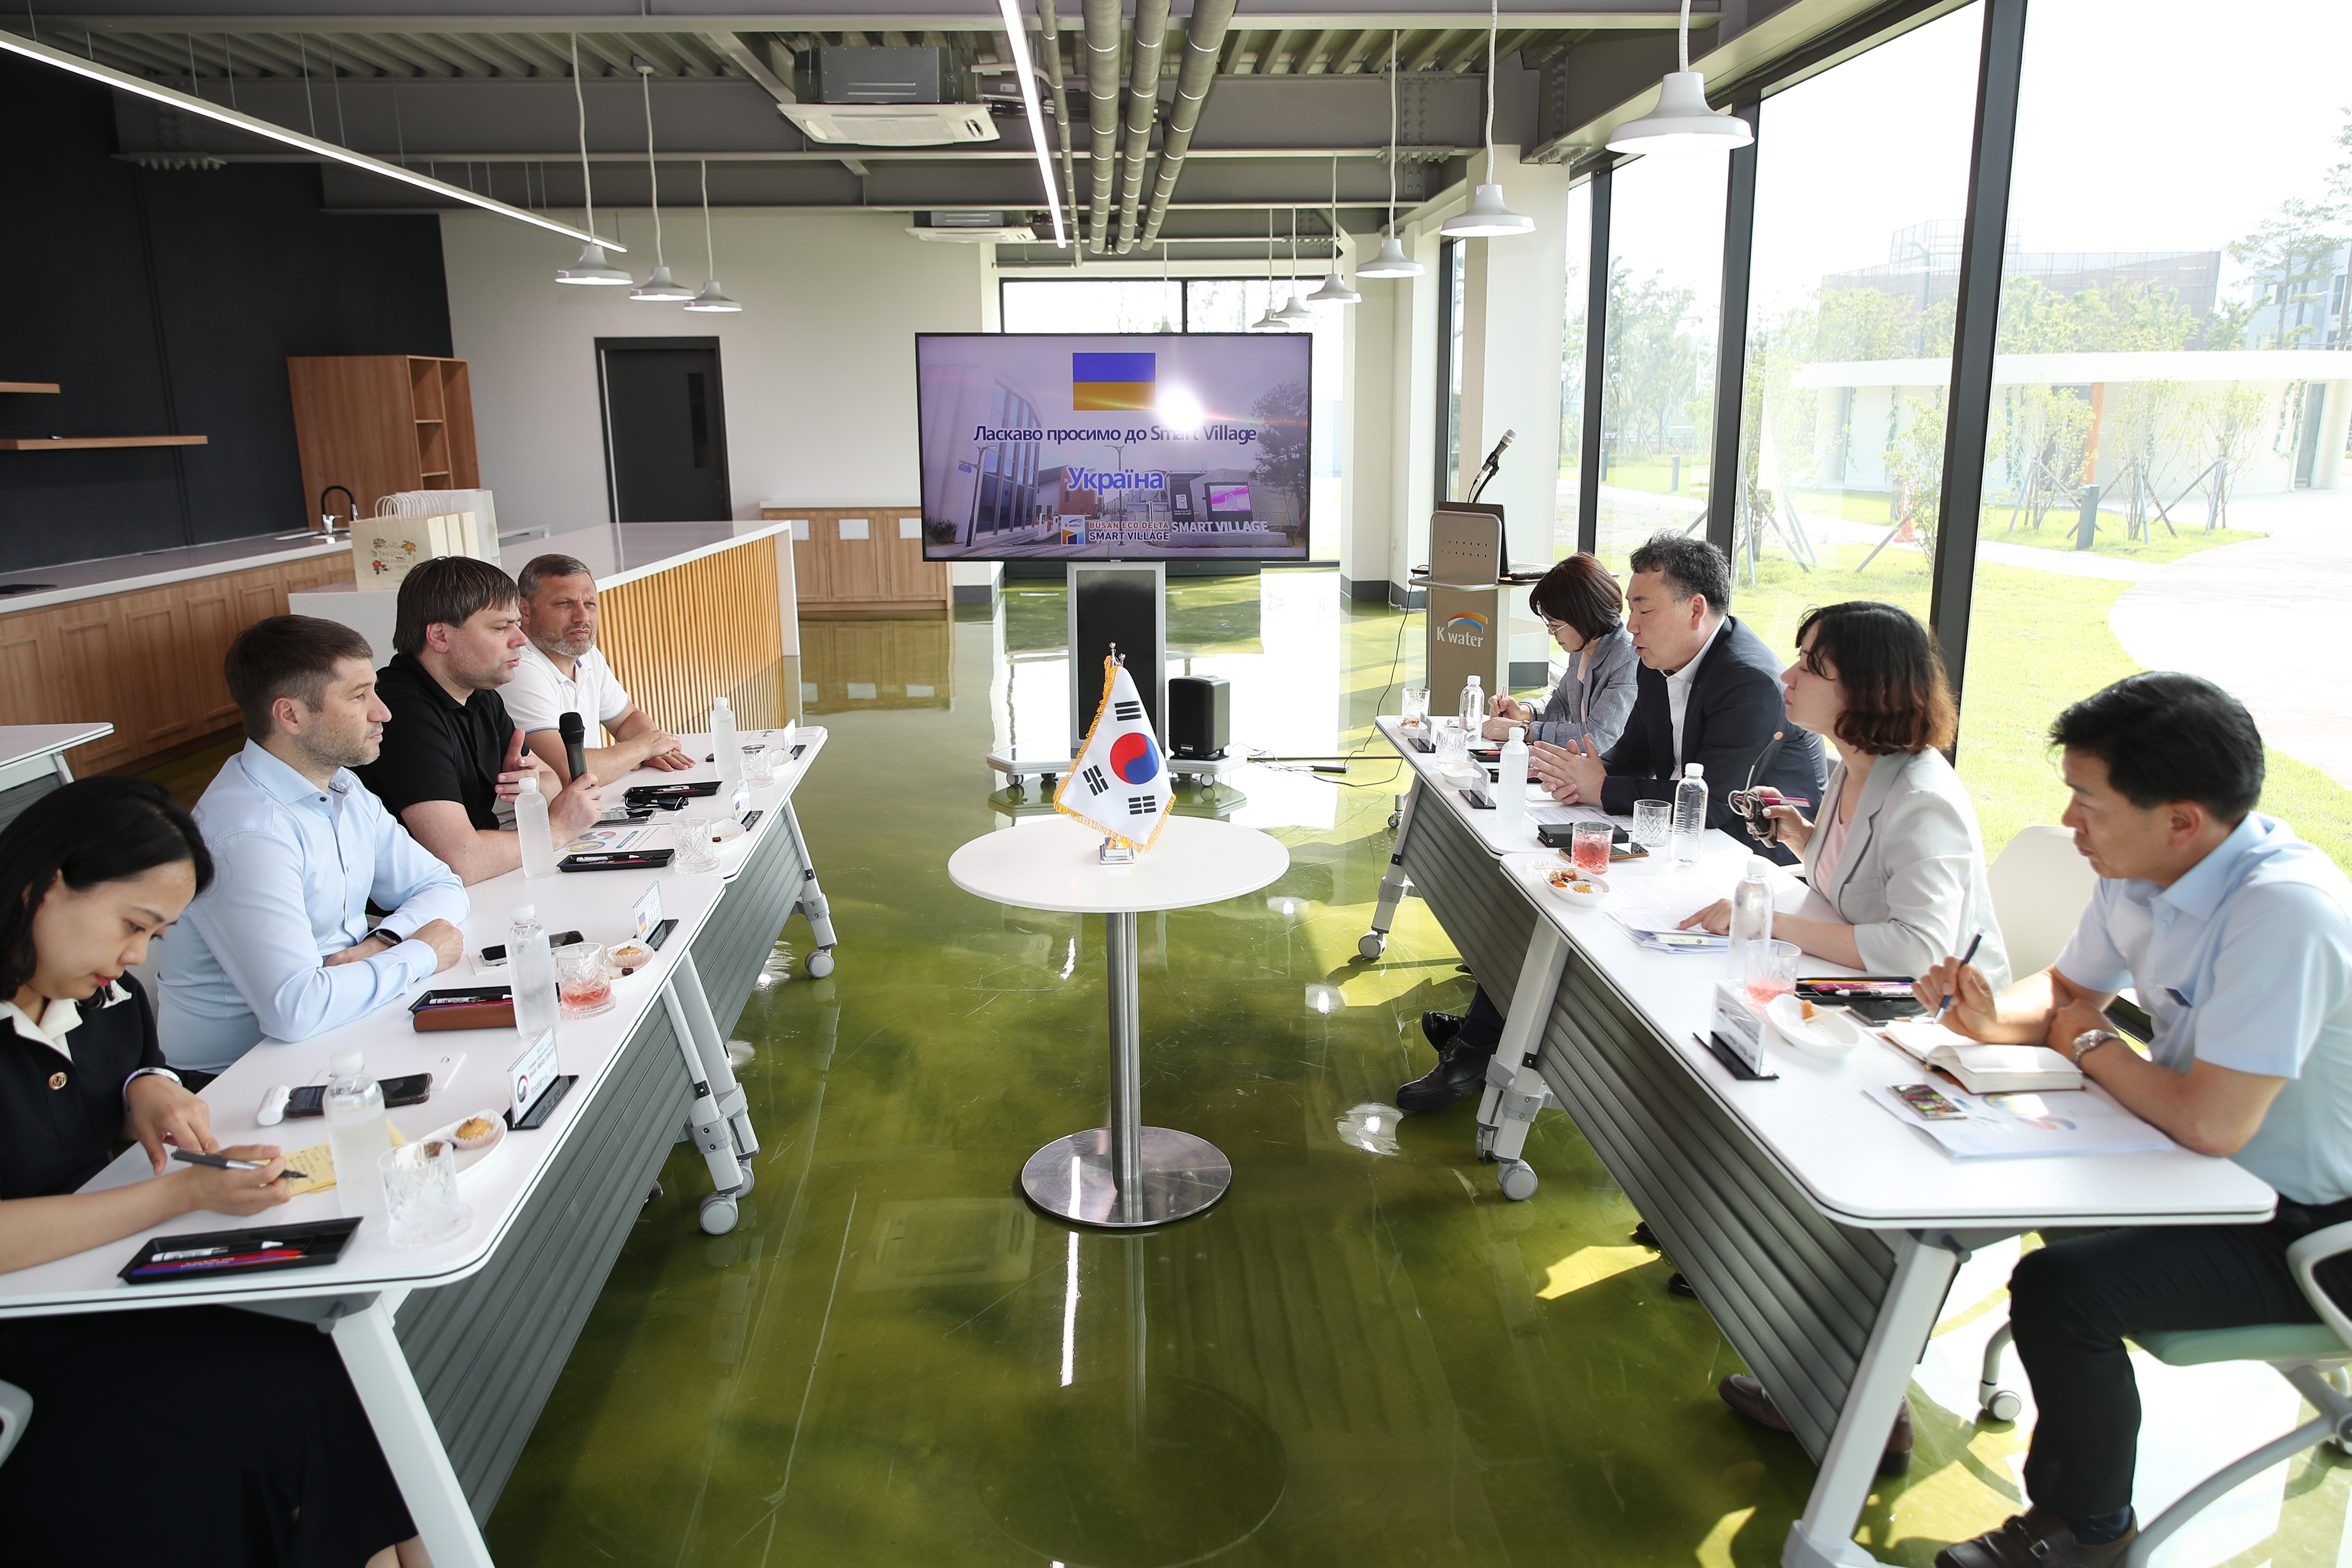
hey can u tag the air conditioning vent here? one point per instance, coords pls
(891, 124)
(973, 228)
(864, 75)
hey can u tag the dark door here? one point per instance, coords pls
(665, 430)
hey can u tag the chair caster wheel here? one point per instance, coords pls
(718, 1216)
(2001, 1405)
(1372, 943)
(1393, 817)
(820, 964)
(1517, 1180)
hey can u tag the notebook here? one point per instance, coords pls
(1982, 1068)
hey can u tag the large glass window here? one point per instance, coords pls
(1452, 285)
(1850, 328)
(2165, 475)
(1571, 368)
(1665, 297)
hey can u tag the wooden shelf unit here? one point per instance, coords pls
(83, 442)
(881, 574)
(375, 424)
(29, 386)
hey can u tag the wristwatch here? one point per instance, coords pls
(2088, 1039)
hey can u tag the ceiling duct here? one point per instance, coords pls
(1051, 27)
(1204, 38)
(1142, 108)
(884, 98)
(1102, 112)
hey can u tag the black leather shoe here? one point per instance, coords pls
(1439, 1029)
(1458, 1075)
(1644, 1237)
(1682, 1287)
(1748, 1396)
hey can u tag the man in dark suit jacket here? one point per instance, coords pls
(1708, 692)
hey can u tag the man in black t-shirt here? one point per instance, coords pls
(450, 752)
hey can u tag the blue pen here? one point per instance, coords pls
(1966, 959)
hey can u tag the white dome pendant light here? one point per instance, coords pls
(1335, 291)
(1266, 323)
(592, 267)
(711, 298)
(1682, 123)
(1391, 262)
(1295, 314)
(1487, 218)
(660, 287)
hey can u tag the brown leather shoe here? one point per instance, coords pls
(1748, 1396)
(2035, 1539)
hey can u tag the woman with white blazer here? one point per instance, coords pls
(1894, 849)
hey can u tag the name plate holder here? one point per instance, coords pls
(538, 1088)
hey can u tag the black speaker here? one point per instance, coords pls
(1200, 716)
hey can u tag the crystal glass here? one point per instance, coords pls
(698, 849)
(1589, 847)
(758, 765)
(1452, 744)
(420, 1194)
(584, 979)
(1771, 972)
(1416, 707)
(1654, 824)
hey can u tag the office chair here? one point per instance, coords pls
(2311, 1356)
(15, 1410)
(2041, 885)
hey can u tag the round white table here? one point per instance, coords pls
(1122, 1175)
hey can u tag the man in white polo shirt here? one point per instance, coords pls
(561, 673)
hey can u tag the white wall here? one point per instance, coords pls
(818, 370)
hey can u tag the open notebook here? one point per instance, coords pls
(1981, 1068)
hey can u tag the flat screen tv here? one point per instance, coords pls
(1131, 446)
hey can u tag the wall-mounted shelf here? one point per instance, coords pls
(28, 386)
(73, 443)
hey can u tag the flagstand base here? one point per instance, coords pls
(1181, 1175)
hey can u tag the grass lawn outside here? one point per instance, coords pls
(1657, 474)
(2056, 532)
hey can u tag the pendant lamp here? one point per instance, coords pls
(1487, 217)
(1334, 290)
(1391, 262)
(1267, 322)
(660, 287)
(592, 267)
(1295, 314)
(711, 298)
(1682, 123)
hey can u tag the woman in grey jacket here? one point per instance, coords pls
(1583, 609)
(1894, 848)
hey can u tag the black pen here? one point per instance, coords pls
(223, 1163)
(1966, 959)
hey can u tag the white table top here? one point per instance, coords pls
(22, 742)
(1051, 863)
(1854, 1160)
(1501, 834)
(600, 905)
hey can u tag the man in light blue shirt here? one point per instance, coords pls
(2237, 938)
(279, 946)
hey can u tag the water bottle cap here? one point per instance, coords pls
(1691, 771)
(720, 705)
(346, 1064)
(528, 783)
(1759, 868)
(1518, 736)
(524, 912)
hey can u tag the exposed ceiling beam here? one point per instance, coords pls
(1636, 15)
(1316, 156)
(733, 47)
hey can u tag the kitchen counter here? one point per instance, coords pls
(73, 580)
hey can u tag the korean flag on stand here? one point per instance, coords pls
(1119, 784)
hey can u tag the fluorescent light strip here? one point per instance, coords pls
(1028, 73)
(123, 82)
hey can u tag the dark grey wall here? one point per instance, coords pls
(167, 303)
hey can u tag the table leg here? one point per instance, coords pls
(699, 1044)
(813, 903)
(1823, 1537)
(1394, 883)
(405, 1430)
(1514, 1090)
(1123, 1174)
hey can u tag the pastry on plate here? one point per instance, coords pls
(474, 1132)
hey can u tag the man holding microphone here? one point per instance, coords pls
(561, 673)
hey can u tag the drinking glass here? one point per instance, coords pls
(1416, 708)
(759, 766)
(420, 1194)
(1453, 746)
(1654, 824)
(1589, 847)
(1771, 972)
(583, 981)
(698, 849)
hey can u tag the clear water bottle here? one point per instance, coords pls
(1474, 708)
(1511, 786)
(533, 833)
(1690, 813)
(1751, 912)
(357, 1134)
(536, 1006)
(725, 741)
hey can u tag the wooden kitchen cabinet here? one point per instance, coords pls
(862, 561)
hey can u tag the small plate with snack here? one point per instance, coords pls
(629, 957)
(478, 1137)
(1576, 887)
(1824, 1031)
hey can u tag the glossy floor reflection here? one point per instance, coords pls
(1363, 1356)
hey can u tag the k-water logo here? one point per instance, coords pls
(1114, 384)
(1466, 630)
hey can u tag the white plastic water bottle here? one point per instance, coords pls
(1511, 786)
(1474, 710)
(533, 975)
(532, 831)
(725, 741)
(1751, 912)
(1690, 813)
(357, 1134)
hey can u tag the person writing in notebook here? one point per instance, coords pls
(2236, 937)
(1583, 609)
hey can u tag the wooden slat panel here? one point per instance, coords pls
(680, 638)
(880, 575)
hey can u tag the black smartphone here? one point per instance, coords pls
(617, 860)
(496, 952)
(1562, 835)
(636, 793)
(311, 1100)
(1883, 1009)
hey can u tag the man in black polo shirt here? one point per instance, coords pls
(450, 752)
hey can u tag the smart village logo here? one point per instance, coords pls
(1466, 630)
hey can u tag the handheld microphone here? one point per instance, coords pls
(1488, 469)
(575, 733)
(1495, 455)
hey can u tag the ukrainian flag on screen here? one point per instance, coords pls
(1113, 383)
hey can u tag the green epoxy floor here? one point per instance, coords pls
(1363, 1356)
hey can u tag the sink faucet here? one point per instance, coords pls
(327, 519)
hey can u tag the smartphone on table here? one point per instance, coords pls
(311, 1099)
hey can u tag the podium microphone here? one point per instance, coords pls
(575, 732)
(1488, 469)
